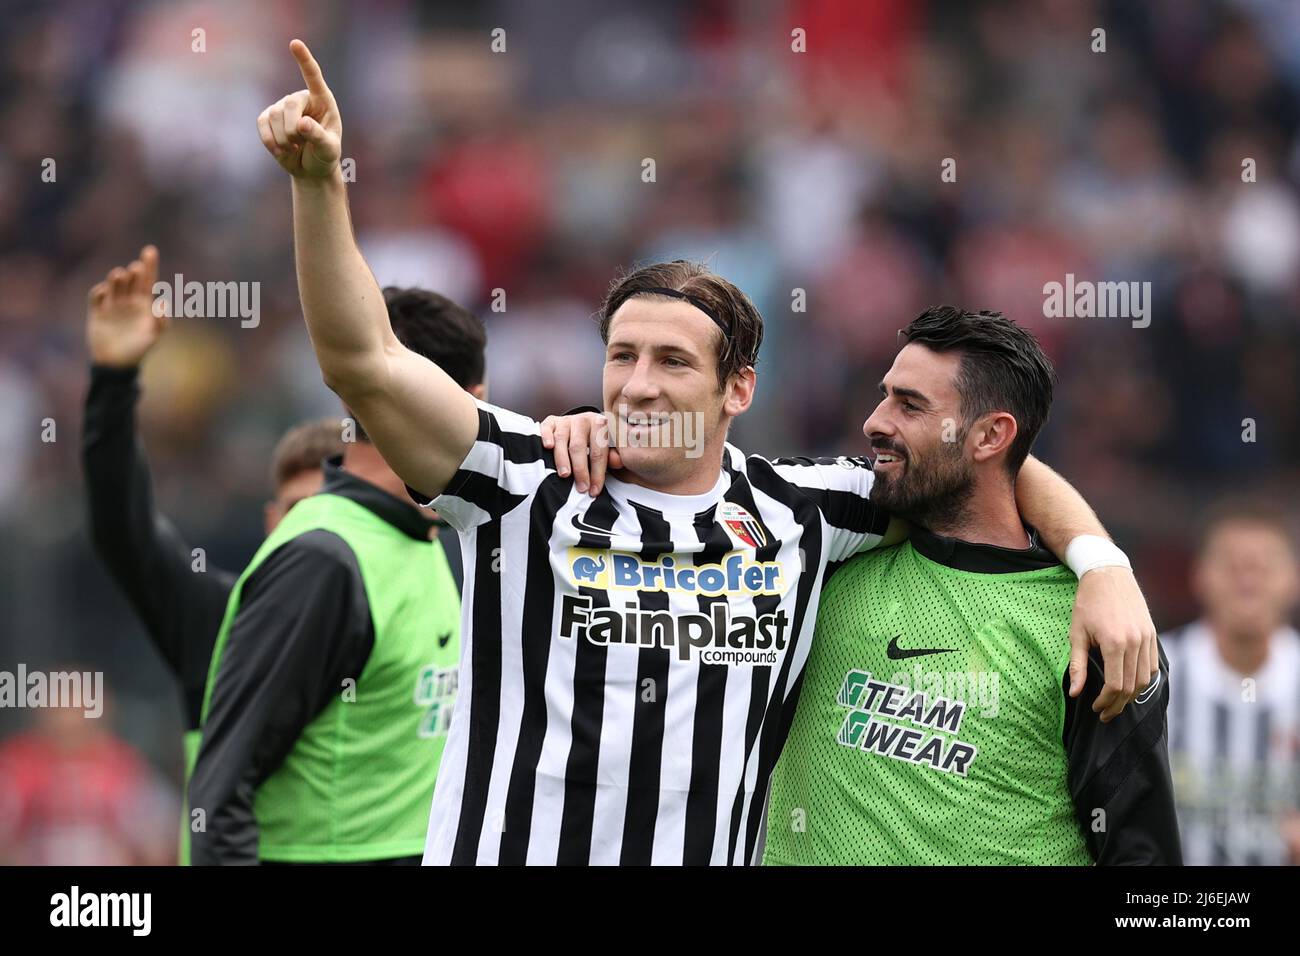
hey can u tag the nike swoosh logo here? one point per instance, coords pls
(1147, 694)
(897, 653)
(581, 525)
(443, 639)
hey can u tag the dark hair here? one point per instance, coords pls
(429, 324)
(432, 325)
(728, 303)
(1003, 369)
(303, 448)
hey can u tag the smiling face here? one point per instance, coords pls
(661, 391)
(1246, 577)
(922, 470)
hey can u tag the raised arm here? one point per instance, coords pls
(1109, 610)
(181, 608)
(421, 421)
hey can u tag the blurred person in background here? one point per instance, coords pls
(74, 794)
(1234, 715)
(179, 601)
(334, 673)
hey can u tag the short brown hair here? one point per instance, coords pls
(1256, 512)
(303, 448)
(736, 350)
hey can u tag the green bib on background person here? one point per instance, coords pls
(929, 727)
(358, 783)
(190, 746)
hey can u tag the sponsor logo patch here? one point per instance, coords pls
(435, 692)
(736, 574)
(910, 726)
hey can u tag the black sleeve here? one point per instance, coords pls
(303, 627)
(1122, 768)
(181, 608)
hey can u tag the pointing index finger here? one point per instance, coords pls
(311, 73)
(149, 256)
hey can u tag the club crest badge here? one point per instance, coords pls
(741, 525)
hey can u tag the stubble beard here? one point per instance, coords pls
(934, 496)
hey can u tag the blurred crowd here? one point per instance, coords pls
(515, 180)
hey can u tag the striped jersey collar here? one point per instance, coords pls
(981, 558)
(669, 504)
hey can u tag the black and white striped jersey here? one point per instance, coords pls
(1233, 748)
(629, 663)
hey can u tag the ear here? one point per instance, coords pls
(993, 436)
(740, 391)
(479, 391)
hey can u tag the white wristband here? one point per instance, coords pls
(1088, 552)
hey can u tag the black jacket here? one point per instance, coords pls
(181, 608)
(1119, 773)
(302, 628)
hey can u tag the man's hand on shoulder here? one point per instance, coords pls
(581, 442)
(1111, 614)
